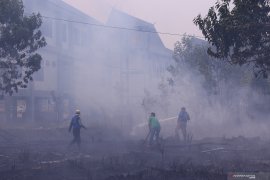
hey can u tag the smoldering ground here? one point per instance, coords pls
(106, 154)
(220, 124)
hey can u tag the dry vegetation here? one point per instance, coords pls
(44, 154)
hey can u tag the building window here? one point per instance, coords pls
(76, 37)
(64, 33)
(84, 39)
(45, 105)
(21, 108)
(47, 28)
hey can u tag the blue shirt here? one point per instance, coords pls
(76, 122)
(183, 116)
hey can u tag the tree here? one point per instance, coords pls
(20, 38)
(190, 53)
(239, 31)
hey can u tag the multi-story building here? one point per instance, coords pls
(136, 60)
(136, 54)
(88, 65)
(49, 96)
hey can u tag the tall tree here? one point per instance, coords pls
(190, 53)
(239, 31)
(20, 38)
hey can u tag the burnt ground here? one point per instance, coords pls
(44, 154)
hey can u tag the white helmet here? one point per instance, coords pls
(78, 111)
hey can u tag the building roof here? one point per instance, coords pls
(59, 8)
(136, 27)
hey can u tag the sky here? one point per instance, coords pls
(169, 16)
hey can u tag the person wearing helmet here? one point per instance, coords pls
(76, 126)
(182, 120)
(154, 128)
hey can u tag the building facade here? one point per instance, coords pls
(88, 65)
(50, 96)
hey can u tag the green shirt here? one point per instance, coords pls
(153, 122)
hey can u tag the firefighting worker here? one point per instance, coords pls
(154, 128)
(182, 120)
(76, 125)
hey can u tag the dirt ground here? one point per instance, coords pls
(43, 154)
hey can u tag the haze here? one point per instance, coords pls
(173, 16)
(112, 99)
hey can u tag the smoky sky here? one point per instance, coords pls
(172, 16)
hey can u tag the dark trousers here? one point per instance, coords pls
(154, 133)
(76, 136)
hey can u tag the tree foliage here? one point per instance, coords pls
(217, 76)
(190, 53)
(20, 38)
(239, 31)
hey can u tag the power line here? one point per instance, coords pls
(118, 27)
